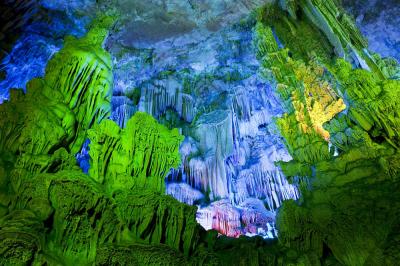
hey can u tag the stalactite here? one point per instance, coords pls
(140, 155)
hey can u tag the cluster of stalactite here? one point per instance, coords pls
(341, 130)
(51, 212)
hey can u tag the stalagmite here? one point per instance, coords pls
(186, 134)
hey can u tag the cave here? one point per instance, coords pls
(199, 132)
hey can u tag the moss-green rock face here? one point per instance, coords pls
(348, 211)
(58, 109)
(53, 213)
(138, 156)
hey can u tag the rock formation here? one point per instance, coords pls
(271, 139)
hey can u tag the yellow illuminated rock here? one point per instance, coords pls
(321, 101)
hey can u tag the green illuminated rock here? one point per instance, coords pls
(348, 212)
(152, 218)
(81, 74)
(341, 128)
(138, 156)
(21, 237)
(139, 255)
(57, 110)
(53, 213)
(375, 102)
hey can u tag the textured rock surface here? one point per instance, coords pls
(40, 38)
(209, 87)
(157, 20)
(65, 114)
(138, 156)
(378, 21)
(349, 182)
(53, 213)
(286, 100)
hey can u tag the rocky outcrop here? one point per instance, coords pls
(152, 218)
(355, 175)
(82, 74)
(339, 126)
(374, 102)
(300, 87)
(139, 255)
(76, 215)
(378, 23)
(38, 33)
(51, 212)
(208, 87)
(71, 98)
(138, 156)
(21, 237)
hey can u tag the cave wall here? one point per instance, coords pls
(338, 121)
